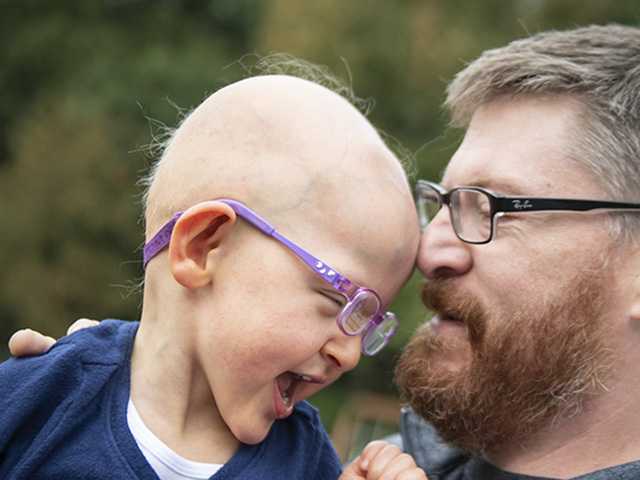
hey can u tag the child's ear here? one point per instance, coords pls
(199, 230)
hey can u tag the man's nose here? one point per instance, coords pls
(342, 352)
(442, 254)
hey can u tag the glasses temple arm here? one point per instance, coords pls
(531, 204)
(162, 238)
(325, 271)
(159, 241)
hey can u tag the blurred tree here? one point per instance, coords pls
(79, 79)
(77, 82)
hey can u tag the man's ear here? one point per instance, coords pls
(199, 230)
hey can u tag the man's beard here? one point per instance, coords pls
(520, 373)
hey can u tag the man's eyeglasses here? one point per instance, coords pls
(473, 210)
(361, 315)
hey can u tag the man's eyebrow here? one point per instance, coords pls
(502, 186)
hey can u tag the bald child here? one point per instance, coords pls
(278, 229)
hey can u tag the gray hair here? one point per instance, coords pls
(597, 65)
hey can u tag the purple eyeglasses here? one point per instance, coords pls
(361, 315)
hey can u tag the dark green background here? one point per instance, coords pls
(80, 80)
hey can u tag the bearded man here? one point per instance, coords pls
(531, 257)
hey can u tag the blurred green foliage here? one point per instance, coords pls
(80, 80)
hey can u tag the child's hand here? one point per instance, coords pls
(383, 461)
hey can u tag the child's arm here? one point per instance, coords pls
(382, 460)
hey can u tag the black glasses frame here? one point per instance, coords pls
(501, 204)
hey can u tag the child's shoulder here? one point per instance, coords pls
(306, 412)
(305, 422)
(299, 447)
(43, 396)
(42, 391)
(107, 343)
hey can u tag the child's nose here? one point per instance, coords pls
(342, 351)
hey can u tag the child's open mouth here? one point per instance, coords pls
(284, 391)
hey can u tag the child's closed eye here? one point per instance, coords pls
(335, 297)
(332, 302)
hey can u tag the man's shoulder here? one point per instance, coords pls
(443, 461)
(625, 471)
(422, 441)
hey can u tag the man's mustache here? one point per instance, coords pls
(447, 298)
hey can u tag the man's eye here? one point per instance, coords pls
(484, 210)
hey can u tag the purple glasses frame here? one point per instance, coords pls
(339, 282)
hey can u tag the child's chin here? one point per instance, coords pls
(250, 434)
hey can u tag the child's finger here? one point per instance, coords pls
(370, 451)
(413, 474)
(353, 471)
(81, 324)
(383, 458)
(29, 342)
(398, 467)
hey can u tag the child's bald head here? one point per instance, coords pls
(299, 153)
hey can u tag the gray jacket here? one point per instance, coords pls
(431, 453)
(443, 462)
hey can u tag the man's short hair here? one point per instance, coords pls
(599, 66)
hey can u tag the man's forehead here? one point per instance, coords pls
(566, 177)
(502, 175)
(522, 146)
(512, 186)
(573, 181)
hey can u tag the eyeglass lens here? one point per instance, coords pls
(376, 338)
(356, 317)
(470, 212)
(358, 312)
(428, 206)
(471, 215)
